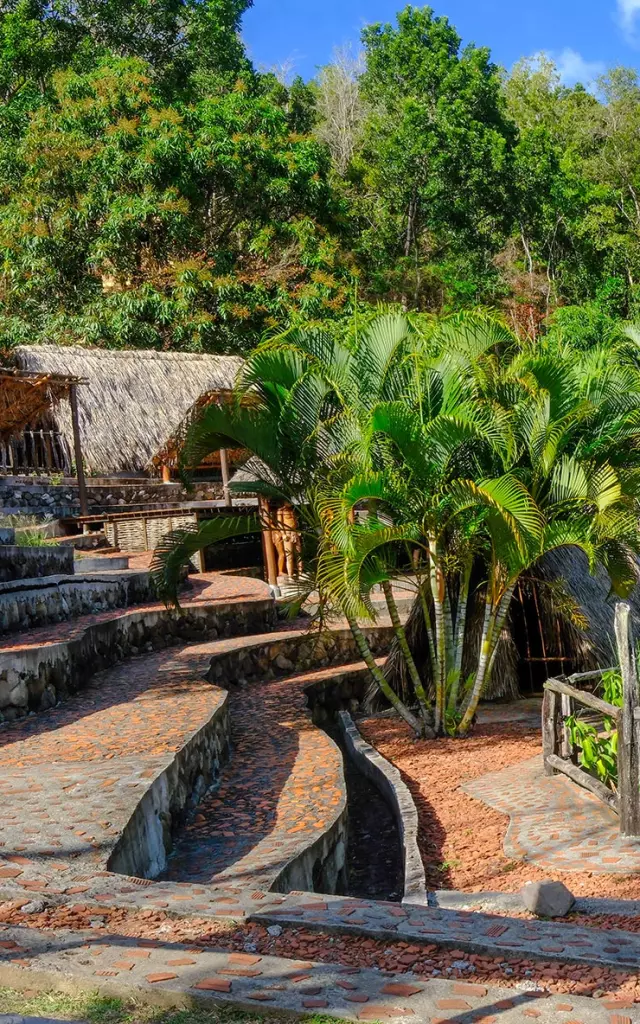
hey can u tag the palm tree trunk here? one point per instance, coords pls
(437, 589)
(398, 629)
(485, 655)
(378, 675)
(460, 631)
(505, 605)
(429, 628)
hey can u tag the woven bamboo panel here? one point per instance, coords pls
(132, 535)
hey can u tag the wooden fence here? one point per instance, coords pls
(561, 699)
(36, 451)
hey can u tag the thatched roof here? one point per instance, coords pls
(595, 645)
(25, 397)
(133, 401)
(169, 453)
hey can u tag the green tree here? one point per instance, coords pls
(432, 175)
(128, 222)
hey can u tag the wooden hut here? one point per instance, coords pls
(132, 401)
(29, 404)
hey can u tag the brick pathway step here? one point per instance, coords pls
(174, 974)
(282, 791)
(554, 823)
(105, 749)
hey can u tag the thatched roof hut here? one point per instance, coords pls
(560, 621)
(133, 400)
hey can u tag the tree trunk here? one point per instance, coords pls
(483, 663)
(378, 675)
(440, 637)
(398, 629)
(460, 631)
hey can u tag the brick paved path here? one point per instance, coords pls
(104, 747)
(71, 779)
(554, 823)
(170, 972)
(283, 789)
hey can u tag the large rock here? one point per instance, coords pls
(547, 899)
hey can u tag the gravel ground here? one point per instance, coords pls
(352, 951)
(461, 839)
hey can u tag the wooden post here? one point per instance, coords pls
(566, 709)
(550, 744)
(224, 468)
(166, 475)
(77, 448)
(267, 542)
(628, 732)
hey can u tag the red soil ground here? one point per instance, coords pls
(461, 839)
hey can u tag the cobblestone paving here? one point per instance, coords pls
(283, 789)
(70, 779)
(104, 747)
(171, 972)
(555, 823)
(204, 589)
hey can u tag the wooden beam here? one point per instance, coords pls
(267, 542)
(628, 727)
(583, 697)
(581, 777)
(224, 468)
(77, 448)
(550, 737)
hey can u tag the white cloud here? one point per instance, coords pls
(573, 68)
(628, 11)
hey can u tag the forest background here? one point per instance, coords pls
(157, 190)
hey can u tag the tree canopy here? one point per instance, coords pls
(157, 190)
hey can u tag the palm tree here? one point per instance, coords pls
(453, 450)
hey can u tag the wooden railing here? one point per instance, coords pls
(562, 697)
(36, 451)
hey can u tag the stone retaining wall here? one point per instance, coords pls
(41, 497)
(276, 657)
(27, 562)
(26, 604)
(36, 678)
(387, 779)
(322, 867)
(147, 839)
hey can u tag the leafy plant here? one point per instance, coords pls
(598, 747)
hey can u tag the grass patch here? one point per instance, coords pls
(97, 1009)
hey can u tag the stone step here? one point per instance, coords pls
(100, 563)
(13, 1018)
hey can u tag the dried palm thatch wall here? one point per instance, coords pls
(573, 609)
(133, 401)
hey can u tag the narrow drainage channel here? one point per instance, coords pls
(374, 855)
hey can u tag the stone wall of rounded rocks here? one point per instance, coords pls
(34, 679)
(273, 658)
(58, 598)
(26, 562)
(41, 497)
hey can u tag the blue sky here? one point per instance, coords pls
(584, 36)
